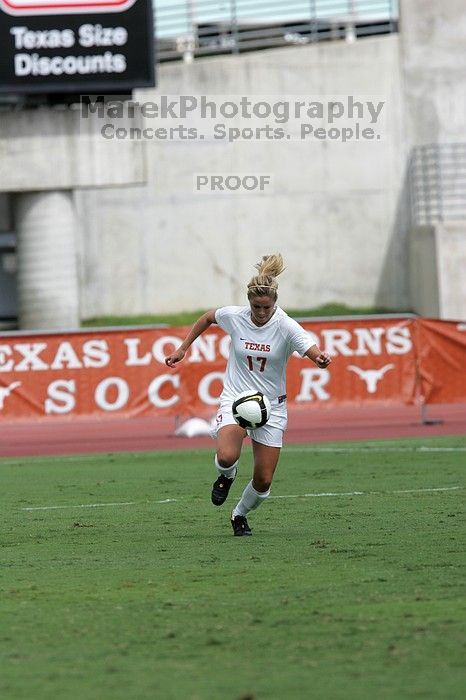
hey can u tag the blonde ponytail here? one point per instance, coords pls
(265, 283)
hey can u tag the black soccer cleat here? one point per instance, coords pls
(240, 526)
(220, 490)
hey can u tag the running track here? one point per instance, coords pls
(59, 437)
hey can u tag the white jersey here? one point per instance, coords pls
(259, 354)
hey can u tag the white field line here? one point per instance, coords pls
(321, 495)
(369, 493)
(381, 449)
(440, 488)
(298, 495)
(99, 505)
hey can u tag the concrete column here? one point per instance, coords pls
(48, 295)
(433, 36)
(451, 256)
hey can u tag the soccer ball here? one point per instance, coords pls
(251, 409)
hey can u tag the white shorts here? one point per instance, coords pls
(271, 434)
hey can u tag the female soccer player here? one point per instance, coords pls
(263, 337)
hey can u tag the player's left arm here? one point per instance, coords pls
(321, 359)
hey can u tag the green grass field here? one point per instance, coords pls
(357, 595)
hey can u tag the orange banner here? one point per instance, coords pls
(441, 348)
(122, 372)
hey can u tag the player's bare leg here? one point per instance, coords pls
(229, 442)
(265, 462)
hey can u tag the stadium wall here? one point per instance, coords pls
(336, 212)
(438, 282)
(432, 41)
(45, 154)
(433, 58)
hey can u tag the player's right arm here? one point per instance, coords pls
(199, 327)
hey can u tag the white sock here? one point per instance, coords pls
(250, 500)
(229, 472)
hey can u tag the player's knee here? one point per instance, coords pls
(261, 484)
(226, 458)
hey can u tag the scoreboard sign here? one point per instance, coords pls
(70, 46)
(62, 7)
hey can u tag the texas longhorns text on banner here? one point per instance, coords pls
(123, 373)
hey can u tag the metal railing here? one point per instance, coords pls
(437, 179)
(195, 28)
